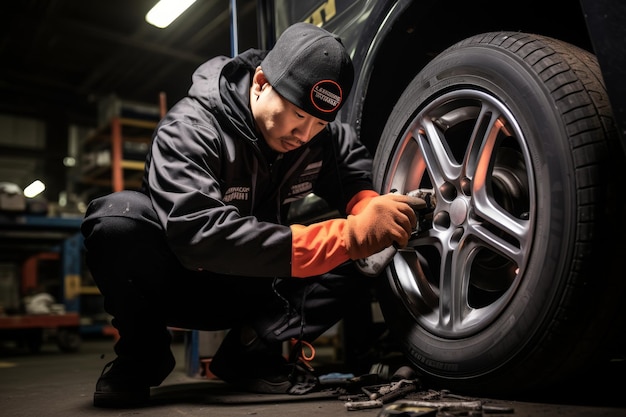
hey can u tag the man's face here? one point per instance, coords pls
(284, 126)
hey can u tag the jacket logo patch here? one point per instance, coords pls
(304, 185)
(237, 193)
(302, 188)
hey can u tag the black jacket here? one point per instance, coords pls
(221, 202)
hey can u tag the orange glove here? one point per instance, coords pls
(360, 201)
(387, 219)
(320, 247)
(317, 248)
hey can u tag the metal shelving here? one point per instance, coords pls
(113, 156)
(46, 238)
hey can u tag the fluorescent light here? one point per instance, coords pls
(34, 189)
(166, 11)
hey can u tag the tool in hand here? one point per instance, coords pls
(374, 264)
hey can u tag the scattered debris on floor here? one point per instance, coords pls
(403, 395)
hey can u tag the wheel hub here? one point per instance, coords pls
(458, 211)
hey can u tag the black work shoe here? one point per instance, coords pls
(120, 387)
(253, 366)
(124, 384)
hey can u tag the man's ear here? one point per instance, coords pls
(259, 80)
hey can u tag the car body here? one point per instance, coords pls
(512, 115)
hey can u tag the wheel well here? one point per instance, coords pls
(427, 28)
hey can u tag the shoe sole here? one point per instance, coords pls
(120, 400)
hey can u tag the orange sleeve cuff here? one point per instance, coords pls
(317, 248)
(359, 201)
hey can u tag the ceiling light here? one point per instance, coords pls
(34, 189)
(166, 11)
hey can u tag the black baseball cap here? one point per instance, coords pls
(310, 67)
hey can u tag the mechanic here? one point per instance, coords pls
(206, 245)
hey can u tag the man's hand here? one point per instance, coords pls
(387, 219)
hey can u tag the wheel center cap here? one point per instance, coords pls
(458, 211)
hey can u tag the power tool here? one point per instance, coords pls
(374, 264)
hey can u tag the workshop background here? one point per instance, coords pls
(82, 86)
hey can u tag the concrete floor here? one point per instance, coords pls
(52, 383)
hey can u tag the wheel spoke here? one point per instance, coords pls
(436, 153)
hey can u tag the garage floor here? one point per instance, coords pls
(52, 383)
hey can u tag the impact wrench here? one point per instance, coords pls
(374, 264)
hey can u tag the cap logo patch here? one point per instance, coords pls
(326, 96)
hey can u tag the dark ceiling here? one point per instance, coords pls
(61, 57)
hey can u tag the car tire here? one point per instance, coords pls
(513, 283)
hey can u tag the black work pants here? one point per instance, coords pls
(146, 289)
